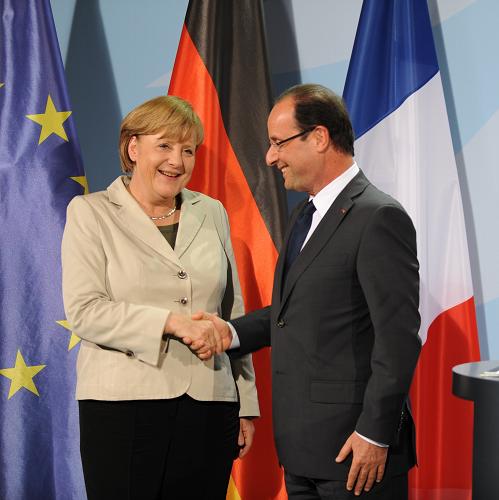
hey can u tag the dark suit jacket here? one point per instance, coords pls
(343, 326)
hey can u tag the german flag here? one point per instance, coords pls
(221, 69)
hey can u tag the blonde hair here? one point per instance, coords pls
(170, 114)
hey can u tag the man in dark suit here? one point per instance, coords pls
(344, 321)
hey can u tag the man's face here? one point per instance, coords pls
(296, 159)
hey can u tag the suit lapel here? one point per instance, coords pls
(191, 220)
(140, 226)
(322, 234)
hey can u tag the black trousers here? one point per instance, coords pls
(303, 488)
(171, 449)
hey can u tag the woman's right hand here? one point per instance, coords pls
(201, 332)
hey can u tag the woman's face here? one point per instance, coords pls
(163, 166)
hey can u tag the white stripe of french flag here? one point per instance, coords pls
(395, 98)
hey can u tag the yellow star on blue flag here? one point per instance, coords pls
(21, 376)
(74, 339)
(41, 171)
(51, 121)
(82, 181)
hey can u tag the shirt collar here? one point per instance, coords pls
(326, 196)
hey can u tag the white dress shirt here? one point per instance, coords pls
(327, 195)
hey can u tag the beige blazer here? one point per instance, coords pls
(121, 279)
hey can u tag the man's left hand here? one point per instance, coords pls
(246, 434)
(368, 463)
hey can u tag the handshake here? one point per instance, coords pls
(205, 334)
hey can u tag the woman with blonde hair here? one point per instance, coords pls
(139, 259)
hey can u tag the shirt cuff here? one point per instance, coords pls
(235, 344)
(381, 445)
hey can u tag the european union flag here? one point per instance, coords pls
(40, 171)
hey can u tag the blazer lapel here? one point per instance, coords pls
(191, 220)
(324, 231)
(140, 226)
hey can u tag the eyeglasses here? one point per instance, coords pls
(279, 144)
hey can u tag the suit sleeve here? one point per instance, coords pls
(253, 331)
(233, 307)
(387, 268)
(91, 311)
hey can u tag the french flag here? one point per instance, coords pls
(395, 98)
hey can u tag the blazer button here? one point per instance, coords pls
(182, 274)
(130, 354)
(183, 301)
(281, 323)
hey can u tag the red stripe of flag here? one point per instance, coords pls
(444, 422)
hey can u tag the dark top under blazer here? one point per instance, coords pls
(344, 335)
